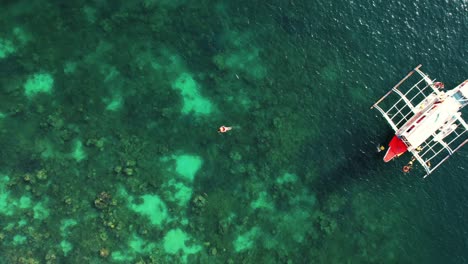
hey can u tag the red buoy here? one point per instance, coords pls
(406, 169)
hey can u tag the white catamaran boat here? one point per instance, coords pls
(427, 121)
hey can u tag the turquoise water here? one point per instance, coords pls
(109, 113)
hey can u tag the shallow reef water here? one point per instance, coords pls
(109, 117)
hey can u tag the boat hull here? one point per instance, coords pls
(396, 148)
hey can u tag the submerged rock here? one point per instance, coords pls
(103, 200)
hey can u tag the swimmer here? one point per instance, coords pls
(380, 148)
(224, 129)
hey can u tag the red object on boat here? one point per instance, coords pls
(396, 148)
(439, 85)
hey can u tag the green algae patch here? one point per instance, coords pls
(9, 227)
(184, 221)
(139, 245)
(22, 222)
(6, 48)
(114, 104)
(21, 35)
(6, 206)
(24, 202)
(110, 72)
(38, 83)
(136, 245)
(152, 207)
(188, 165)
(194, 102)
(121, 256)
(65, 226)
(19, 240)
(246, 240)
(66, 247)
(287, 178)
(178, 192)
(40, 211)
(9, 205)
(70, 67)
(176, 241)
(263, 201)
(78, 152)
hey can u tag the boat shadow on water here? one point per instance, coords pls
(360, 161)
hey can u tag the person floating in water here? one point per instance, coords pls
(380, 148)
(409, 166)
(224, 129)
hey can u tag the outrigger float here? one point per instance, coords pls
(427, 121)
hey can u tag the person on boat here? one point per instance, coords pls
(439, 85)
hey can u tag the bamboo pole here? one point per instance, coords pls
(396, 86)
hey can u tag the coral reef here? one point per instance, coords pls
(110, 152)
